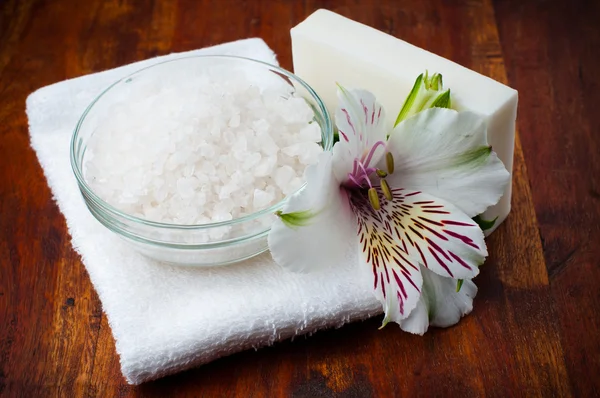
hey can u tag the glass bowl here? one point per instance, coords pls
(204, 244)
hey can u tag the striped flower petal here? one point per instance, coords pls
(412, 230)
(360, 120)
(437, 234)
(396, 276)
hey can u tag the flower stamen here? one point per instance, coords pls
(385, 188)
(353, 181)
(374, 199)
(372, 152)
(355, 167)
(362, 170)
(368, 180)
(389, 161)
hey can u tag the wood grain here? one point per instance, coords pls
(535, 327)
(551, 58)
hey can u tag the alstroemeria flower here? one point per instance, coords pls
(405, 200)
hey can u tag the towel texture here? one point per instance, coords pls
(167, 318)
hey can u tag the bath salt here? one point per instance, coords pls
(196, 147)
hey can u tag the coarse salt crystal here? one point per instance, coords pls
(283, 176)
(262, 198)
(201, 147)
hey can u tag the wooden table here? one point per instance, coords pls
(536, 324)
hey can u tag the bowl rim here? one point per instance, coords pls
(107, 207)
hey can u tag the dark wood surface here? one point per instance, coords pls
(536, 324)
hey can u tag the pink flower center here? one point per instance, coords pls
(360, 177)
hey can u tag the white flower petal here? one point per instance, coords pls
(342, 162)
(328, 225)
(449, 305)
(396, 276)
(418, 320)
(440, 304)
(360, 120)
(445, 153)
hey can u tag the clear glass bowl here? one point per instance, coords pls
(204, 244)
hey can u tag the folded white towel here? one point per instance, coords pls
(167, 318)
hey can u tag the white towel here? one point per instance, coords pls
(167, 318)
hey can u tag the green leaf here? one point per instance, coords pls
(459, 284)
(427, 92)
(336, 136)
(433, 83)
(442, 100)
(484, 224)
(296, 219)
(410, 100)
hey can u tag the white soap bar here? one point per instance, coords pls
(328, 48)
